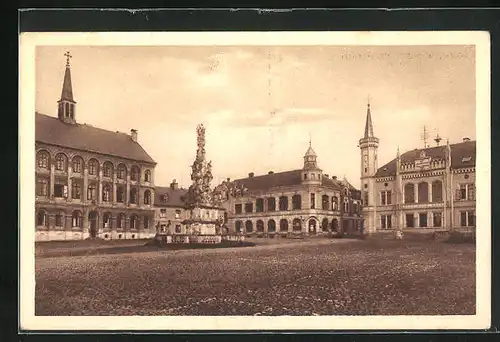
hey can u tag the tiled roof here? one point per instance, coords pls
(462, 155)
(175, 197)
(51, 130)
(281, 179)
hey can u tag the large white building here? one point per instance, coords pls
(429, 188)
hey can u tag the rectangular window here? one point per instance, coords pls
(389, 221)
(385, 197)
(146, 222)
(471, 219)
(410, 221)
(463, 219)
(271, 204)
(238, 208)
(259, 205)
(59, 220)
(383, 222)
(248, 207)
(177, 214)
(386, 221)
(163, 212)
(463, 191)
(76, 190)
(42, 187)
(59, 190)
(313, 201)
(91, 192)
(436, 217)
(177, 228)
(422, 220)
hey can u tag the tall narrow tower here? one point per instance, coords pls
(311, 173)
(66, 105)
(368, 145)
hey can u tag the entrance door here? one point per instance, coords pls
(93, 218)
(312, 226)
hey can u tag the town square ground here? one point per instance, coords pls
(280, 277)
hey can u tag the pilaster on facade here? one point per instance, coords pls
(52, 180)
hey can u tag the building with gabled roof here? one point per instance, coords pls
(431, 188)
(90, 182)
(303, 201)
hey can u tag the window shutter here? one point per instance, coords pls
(65, 191)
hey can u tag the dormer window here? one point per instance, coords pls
(164, 198)
(466, 159)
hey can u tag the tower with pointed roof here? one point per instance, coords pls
(368, 145)
(311, 174)
(66, 104)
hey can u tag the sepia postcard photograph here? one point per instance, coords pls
(255, 181)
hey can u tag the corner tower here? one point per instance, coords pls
(368, 145)
(66, 105)
(311, 173)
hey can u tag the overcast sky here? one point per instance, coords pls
(260, 104)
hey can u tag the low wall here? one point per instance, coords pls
(202, 239)
(62, 235)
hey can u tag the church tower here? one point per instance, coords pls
(66, 105)
(368, 145)
(311, 174)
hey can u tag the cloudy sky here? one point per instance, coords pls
(261, 104)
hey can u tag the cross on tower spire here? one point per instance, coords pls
(68, 56)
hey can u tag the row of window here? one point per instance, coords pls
(61, 191)
(326, 204)
(284, 225)
(465, 192)
(163, 213)
(93, 167)
(467, 219)
(77, 220)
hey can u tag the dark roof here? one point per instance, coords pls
(67, 90)
(279, 179)
(51, 130)
(175, 197)
(459, 151)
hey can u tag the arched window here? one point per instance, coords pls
(77, 164)
(42, 186)
(61, 162)
(106, 221)
(297, 225)
(312, 225)
(42, 159)
(335, 203)
(260, 226)
(147, 176)
(423, 192)
(147, 197)
(271, 226)
(259, 205)
(324, 225)
(437, 191)
(91, 192)
(120, 194)
(325, 202)
(237, 226)
(133, 222)
(283, 205)
(76, 219)
(121, 172)
(76, 189)
(107, 169)
(335, 225)
(409, 189)
(41, 218)
(283, 225)
(296, 202)
(106, 193)
(133, 195)
(134, 173)
(271, 204)
(120, 221)
(93, 167)
(248, 226)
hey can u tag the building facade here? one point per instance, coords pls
(90, 182)
(304, 202)
(172, 212)
(429, 188)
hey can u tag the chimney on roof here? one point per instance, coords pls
(228, 179)
(326, 175)
(334, 177)
(133, 134)
(466, 139)
(174, 185)
(270, 172)
(250, 175)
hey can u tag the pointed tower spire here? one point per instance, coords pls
(368, 124)
(66, 105)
